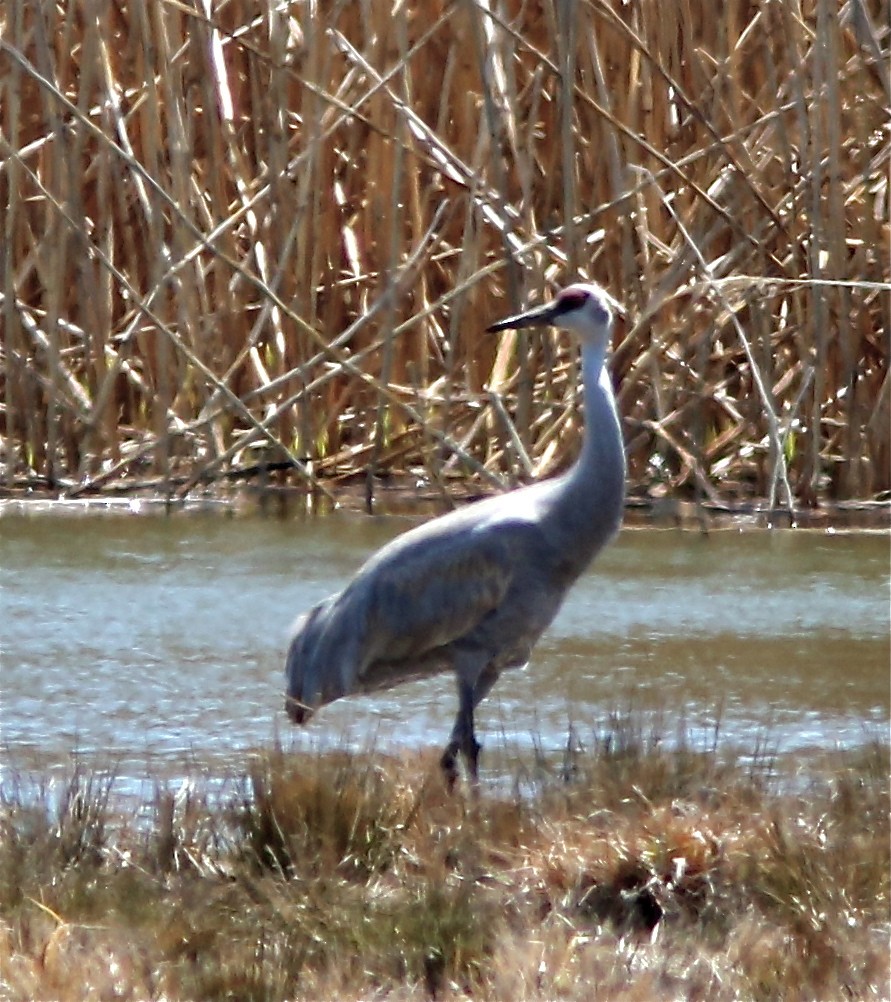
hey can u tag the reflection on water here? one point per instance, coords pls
(143, 640)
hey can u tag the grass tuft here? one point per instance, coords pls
(651, 869)
(311, 817)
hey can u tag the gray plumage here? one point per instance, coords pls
(473, 590)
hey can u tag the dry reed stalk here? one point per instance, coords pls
(224, 238)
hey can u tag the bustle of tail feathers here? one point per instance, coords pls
(324, 657)
(303, 689)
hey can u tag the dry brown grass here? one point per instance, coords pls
(651, 873)
(263, 239)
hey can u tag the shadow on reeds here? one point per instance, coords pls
(638, 865)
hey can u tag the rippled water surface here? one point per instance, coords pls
(146, 640)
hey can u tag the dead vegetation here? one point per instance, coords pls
(241, 242)
(644, 872)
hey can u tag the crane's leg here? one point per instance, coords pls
(463, 740)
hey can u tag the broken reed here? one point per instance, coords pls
(276, 236)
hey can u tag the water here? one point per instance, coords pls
(147, 642)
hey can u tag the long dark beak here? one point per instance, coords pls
(540, 316)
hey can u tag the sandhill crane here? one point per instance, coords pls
(472, 591)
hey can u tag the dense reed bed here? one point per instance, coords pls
(242, 239)
(641, 872)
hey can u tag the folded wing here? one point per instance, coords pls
(397, 617)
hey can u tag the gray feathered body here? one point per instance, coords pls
(471, 591)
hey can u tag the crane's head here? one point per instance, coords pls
(585, 309)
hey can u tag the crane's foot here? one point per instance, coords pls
(449, 765)
(469, 749)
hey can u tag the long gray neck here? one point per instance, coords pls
(586, 506)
